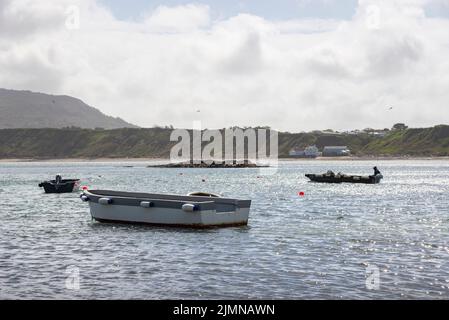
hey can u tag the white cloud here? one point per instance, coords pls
(294, 75)
(184, 18)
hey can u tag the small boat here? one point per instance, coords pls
(60, 185)
(198, 210)
(330, 177)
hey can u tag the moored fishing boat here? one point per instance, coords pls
(324, 178)
(202, 210)
(330, 177)
(60, 185)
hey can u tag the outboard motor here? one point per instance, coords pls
(58, 181)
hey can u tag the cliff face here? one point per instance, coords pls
(155, 142)
(25, 109)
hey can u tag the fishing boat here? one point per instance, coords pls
(197, 209)
(330, 177)
(60, 185)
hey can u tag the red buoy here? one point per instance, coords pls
(301, 194)
(84, 188)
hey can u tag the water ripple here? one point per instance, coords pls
(312, 247)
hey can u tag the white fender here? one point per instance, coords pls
(104, 201)
(146, 204)
(188, 207)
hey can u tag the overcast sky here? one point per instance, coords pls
(295, 65)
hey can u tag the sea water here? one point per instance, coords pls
(346, 241)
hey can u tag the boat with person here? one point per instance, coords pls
(198, 209)
(331, 177)
(59, 185)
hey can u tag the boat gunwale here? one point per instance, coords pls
(127, 198)
(64, 181)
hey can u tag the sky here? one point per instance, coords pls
(268, 9)
(294, 65)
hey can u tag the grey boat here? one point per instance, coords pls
(60, 185)
(327, 178)
(331, 177)
(198, 210)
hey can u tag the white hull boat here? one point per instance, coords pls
(194, 210)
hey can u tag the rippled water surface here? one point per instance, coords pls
(316, 246)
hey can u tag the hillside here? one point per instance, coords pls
(25, 109)
(414, 142)
(155, 142)
(411, 142)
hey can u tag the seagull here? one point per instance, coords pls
(391, 108)
(198, 110)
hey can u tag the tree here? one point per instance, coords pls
(400, 126)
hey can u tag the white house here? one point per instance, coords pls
(309, 152)
(336, 151)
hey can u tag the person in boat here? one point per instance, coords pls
(330, 173)
(376, 171)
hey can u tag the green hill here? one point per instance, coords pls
(26, 109)
(414, 142)
(155, 142)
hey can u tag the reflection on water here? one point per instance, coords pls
(315, 246)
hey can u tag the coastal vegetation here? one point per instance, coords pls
(155, 142)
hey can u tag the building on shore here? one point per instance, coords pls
(309, 152)
(336, 151)
(296, 152)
